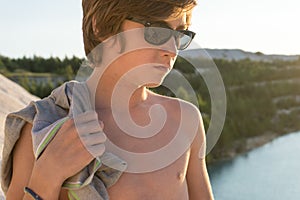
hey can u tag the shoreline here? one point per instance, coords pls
(253, 143)
(243, 146)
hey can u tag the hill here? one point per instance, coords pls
(12, 98)
(237, 54)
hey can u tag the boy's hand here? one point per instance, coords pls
(75, 145)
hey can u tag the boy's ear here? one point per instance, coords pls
(94, 26)
(117, 40)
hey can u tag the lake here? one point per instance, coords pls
(268, 172)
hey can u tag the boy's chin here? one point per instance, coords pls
(153, 85)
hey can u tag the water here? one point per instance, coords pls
(269, 172)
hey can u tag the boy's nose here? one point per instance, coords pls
(170, 47)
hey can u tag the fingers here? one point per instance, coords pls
(77, 143)
(90, 131)
(96, 150)
(88, 127)
(87, 123)
(93, 138)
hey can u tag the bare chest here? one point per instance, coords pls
(166, 183)
(140, 131)
(164, 163)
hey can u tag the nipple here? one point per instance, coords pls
(180, 175)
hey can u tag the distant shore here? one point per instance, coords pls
(242, 147)
(253, 143)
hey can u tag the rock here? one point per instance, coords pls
(12, 98)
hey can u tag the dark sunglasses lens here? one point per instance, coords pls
(184, 41)
(157, 35)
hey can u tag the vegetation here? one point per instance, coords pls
(262, 97)
(40, 75)
(257, 92)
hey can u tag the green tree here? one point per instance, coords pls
(69, 73)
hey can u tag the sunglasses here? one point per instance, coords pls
(158, 33)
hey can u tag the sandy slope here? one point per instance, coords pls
(12, 98)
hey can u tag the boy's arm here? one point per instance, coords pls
(45, 176)
(197, 177)
(23, 163)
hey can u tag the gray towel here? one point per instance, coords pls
(72, 98)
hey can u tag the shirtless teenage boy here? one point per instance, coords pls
(182, 179)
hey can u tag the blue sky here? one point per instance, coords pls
(53, 28)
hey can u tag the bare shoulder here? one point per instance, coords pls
(177, 105)
(185, 115)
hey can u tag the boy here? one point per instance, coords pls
(150, 32)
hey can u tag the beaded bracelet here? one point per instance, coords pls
(32, 193)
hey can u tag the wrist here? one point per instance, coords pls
(45, 184)
(49, 174)
(31, 193)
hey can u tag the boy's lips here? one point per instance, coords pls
(162, 67)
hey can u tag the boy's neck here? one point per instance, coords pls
(121, 98)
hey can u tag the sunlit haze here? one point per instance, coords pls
(53, 28)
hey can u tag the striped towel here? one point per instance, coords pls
(47, 116)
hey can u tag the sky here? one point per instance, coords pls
(53, 28)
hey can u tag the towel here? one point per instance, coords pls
(47, 115)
